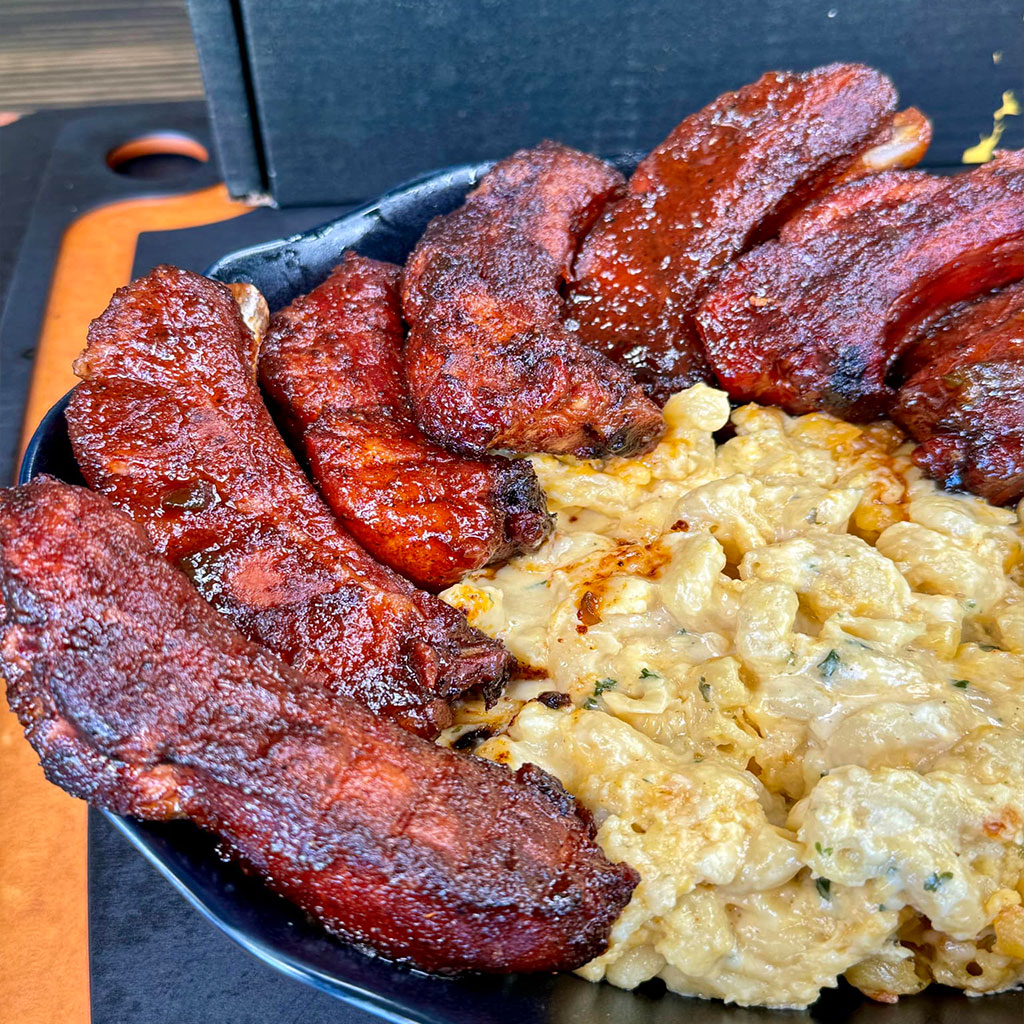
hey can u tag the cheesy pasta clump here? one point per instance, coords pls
(786, 675)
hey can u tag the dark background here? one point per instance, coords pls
(345, 99)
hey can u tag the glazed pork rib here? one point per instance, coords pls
(964, 397)
(140, 698)
(816, 318)
(170, 425)
(724, 176)
(489, 361)
(331, 366)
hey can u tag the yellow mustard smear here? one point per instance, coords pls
(982, 152)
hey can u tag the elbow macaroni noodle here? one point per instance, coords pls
(796, 672)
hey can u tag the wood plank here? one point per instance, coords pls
(56, 53)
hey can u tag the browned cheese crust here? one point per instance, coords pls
(332, 367)
(964, 397)
(725, 177)
(489, 361)
(140, 698)
(170, 425)
(816, 318)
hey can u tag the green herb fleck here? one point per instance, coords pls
(604, 684)
(824, 851)
(824, 887)
(646, 673)
(961, 684)
(590, 704)
(935, 881)
(828, 664)
(682, 632)
(812, 516)
(881, 907)
(705, 688)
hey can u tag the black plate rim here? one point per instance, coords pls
(371, 211)
(365, 999)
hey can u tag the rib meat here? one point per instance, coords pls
(332, 367)
(170, 425)
(723, 178)
(964, 399)
(139, 698)
(816, 318)
(489, 361)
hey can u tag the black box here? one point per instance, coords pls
(327, 101)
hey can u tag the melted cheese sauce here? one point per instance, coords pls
(796, 672)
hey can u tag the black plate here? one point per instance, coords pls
(277, 932)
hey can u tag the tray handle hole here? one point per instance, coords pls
(158, 156)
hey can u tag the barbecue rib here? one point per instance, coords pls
(170, 425)
(816, 318)
(964, 398)
(332, 368)
(489, 361)
(138, 697)
(724, 177)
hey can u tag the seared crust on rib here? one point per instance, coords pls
(817, 318)
(725, 176)
(139, 698)
(489, 361)
(332, 367)
(964, 398)
(170, 425)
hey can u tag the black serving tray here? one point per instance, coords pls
(278, 933)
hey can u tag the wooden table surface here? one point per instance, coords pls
(73, 53)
